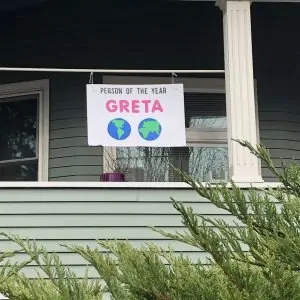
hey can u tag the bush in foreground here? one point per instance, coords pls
(268, 228)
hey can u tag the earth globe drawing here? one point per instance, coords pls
(149, 129)
(119, 129)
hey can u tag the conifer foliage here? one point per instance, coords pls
(257, 259)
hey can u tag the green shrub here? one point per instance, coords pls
(54, 281)
(269, 224)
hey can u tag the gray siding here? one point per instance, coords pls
(70, 157)
(280, 130)
(80, 216)
(276, 66)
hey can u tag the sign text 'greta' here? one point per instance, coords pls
(134, 105)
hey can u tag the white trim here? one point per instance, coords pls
(12, 161)
(129, 185)
(108, 154)
(201, 85)
(206, 135)
(44, 134)
(125, 71)
(40, 87)
(240, 90)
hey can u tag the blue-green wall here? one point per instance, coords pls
(80, 216)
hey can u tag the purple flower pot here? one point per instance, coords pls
(113, 177)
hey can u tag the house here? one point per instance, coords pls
(241, 78)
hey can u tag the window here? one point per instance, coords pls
(206, 154)
(24, 131)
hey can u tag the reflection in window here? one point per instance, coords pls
(205, 110)
(18, 139)
(153, 164)
(207, 122)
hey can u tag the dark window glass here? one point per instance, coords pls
(18, 139)
(205, 110)
(26, 171)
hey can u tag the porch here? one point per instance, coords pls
(72, 206)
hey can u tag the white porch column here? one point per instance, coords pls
(240, 94)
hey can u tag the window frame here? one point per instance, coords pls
(210, 137)
(40, 88)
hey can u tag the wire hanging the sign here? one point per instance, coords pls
(174, 75)
(91, 81)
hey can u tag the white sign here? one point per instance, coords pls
(136, 115)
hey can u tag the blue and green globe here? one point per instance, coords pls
(149, 129)
(119, 129)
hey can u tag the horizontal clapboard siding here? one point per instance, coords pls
(80, 216)
(276, 68)
(70, 157)
(280, 132)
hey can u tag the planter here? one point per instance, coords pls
(112, 177)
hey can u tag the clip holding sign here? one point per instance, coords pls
(91, 81)
(174, 75)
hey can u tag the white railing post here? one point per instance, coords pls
(240, 95)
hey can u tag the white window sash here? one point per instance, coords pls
(206, 135)
(41, 88)
(18, 160)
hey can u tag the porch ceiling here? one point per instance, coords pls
(291, 1)
(14, 4)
